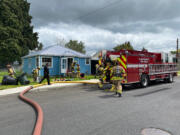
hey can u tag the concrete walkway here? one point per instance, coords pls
(19, 89)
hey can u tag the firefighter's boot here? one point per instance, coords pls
(100, 85)
(119, 90)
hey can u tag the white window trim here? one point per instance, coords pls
(38, 61)
(89, 61)
(47, 57)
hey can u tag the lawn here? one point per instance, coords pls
(2, 87)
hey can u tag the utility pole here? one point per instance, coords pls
(177, 48)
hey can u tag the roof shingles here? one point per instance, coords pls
(57, 50)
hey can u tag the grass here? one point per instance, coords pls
(2, 87)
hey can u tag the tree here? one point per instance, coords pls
(126, 45)
(40, 46)
(75, 45)
(174, 52)
(16, 32)
(144, 49)
(61, 41)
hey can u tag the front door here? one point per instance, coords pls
(70, 61)
(63, 65)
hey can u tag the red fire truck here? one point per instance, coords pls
(142, 66)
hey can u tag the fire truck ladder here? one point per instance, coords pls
(155, 69)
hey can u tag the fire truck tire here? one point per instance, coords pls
(171, 78)
(144, 80)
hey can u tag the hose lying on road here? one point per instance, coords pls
(83, 82)
(39, 122)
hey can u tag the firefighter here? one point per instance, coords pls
(11, 71)
(118, 76)
(101, 74)
(107, 72)
(97, 70)
(46, 74)
(107, 75)
(78, 71)
(36, 74)
(73, 69)
(100, 62)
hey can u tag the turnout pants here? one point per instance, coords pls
(45, 77)
(118, 86)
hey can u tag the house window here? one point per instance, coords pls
(87, 61)
(37, 61)
(64, 63)
(29, 62)
(46, 60)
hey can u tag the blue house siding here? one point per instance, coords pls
(83, 67)
(29, 64)
(25, 65)
(59, 66)
(55, 70)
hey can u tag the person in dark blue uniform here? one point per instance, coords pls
(46, 74)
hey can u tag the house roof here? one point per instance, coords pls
(57, 50)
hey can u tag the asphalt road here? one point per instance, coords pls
(85, 110)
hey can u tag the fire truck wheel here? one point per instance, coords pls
(144, 80)
(170, 79)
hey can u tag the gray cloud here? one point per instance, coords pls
(106, 23)
(123, 11)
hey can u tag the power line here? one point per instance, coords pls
(97, 10)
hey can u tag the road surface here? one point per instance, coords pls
(85, 110)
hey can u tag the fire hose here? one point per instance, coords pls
(39, 121)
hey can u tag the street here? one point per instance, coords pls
(86, 110)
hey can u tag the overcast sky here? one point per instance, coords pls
(101, 24)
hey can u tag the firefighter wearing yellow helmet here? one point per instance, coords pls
(78, 71)
(107, 74)
(73, 74)
(100, 70)
(36, 74)
(11, 71)
(100, 73)
(118, 76)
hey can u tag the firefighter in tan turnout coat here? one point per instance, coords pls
(117, 78)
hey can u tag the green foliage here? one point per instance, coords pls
(126, 46)
(40, 46)
(144, 49)
(174, 52)
(16, 33)
(75, 45)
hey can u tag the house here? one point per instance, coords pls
(59, 59)
(95, 59)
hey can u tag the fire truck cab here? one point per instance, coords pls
(142, 66)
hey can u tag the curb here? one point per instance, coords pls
(41, 86)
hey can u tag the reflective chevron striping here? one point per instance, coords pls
(124, 58)
(122, 63)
